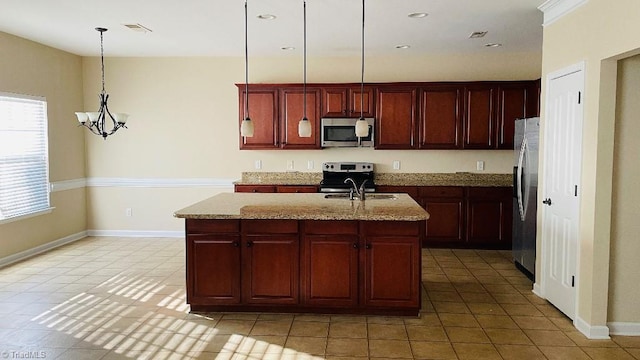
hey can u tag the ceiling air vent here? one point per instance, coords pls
(138, 28)
(477, 34)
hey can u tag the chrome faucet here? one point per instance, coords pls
(355, 191)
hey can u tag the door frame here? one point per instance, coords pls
(539, 287)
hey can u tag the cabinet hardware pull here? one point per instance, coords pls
(249, 243)
(236, 244)
(368, 246)
(355, 246)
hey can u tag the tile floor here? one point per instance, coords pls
(123, 298)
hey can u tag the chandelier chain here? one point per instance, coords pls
(246, 61)
(362, 68)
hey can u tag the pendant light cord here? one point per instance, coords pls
(246, 62)
(102, 58)
(362, 69)
(304, 45)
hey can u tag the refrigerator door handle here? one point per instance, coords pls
(519, 179)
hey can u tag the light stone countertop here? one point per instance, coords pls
(303, 207)
(393, 179)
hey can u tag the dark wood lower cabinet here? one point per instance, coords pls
(489, 217)
(325, 266)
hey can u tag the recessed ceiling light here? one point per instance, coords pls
(266, 17)
(403, 46)
(418, 15)
(477, 34)
(492, 45)
(287, 48)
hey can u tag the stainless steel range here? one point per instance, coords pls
(334, 175)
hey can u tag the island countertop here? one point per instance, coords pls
(311, 206)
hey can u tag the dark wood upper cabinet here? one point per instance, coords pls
(263, 111)
(345, 101)
(396, 118)
(512, 101)
(292, 110)
(479, 117)
(440, 117)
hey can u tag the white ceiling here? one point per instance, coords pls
(216, 27)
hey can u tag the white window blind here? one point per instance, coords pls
(24, 155)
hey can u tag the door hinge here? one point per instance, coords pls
(573, 281)
(579, 97)
(575, 190)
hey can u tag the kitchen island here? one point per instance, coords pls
(304, 253)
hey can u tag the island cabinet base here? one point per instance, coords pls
(304, 266)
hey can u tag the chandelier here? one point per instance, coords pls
(96, 121)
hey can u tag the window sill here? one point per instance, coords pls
(22, 217)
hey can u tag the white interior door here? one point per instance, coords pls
(560, 201)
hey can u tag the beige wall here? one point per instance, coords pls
(598, 33)
(30, 68)
(624, 290)
(184, 124)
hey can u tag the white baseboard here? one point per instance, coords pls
(597, 332)
(137, 233)
(537, 289)
(624, 328)
(42, 248)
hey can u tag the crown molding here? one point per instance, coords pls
(555, 9)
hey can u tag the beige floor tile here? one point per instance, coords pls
(534, 323)
(608, 354)
(269, 327)
(508, 336)
(549, 338)
(433, 350)
(582, 341)
(496, 322)
(627, 341)
(477, 297)
(466, 335)
(476, 351)
(460, 320)
(521, 310)
(451, 307)
(349, 318)
(83, 354)
(242, 327)
(347, 347)
(387, 331)
(309, 328)
(397, 349)
(308, 345)
(563, 353)
(486, 309)
(519, 352)
(448, 296)
(426, 333)
(635, 352)
(347, 330)
(425, 319)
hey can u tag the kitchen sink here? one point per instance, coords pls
(368, 196)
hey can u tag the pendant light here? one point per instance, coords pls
(362, 127)
(246, 128)
(304, 126)
(95, 121)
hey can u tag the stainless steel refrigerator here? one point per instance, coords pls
(525, 189)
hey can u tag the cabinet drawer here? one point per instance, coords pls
(441, 191)
(196, 226)
(397, 228)
(269, 226)
(489, 192)
(330, 227)
(255, 188)
(297, 189)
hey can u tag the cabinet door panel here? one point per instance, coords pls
(479, 120)
(391, 273)
(297, 189)
(446, 221)
(213, 269)
(489, 217)
(395, 118)
(255, 188)
(440, 118)
(355, 100)
(334, 102)
(511, 106)
(263, 111)
(293, 111)
(330, 270)
(271, 269)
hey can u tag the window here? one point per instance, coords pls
(24, 156)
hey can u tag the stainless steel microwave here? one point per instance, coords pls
(341, 132)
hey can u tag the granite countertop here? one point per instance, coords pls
(303, 207)
(392, 179)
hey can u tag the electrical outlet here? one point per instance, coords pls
(480, 165)
(128, 212)
(289, 164)
(310, 164)
(258, 164)
(396, 165)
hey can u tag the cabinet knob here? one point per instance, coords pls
(236, 244)
(254, 190)
(355, 245)
(249, 243)
(368, 246)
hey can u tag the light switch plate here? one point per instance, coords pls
(396, 165)
(289, 164)
(310, 164)
(258, 164)
(480, 165)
